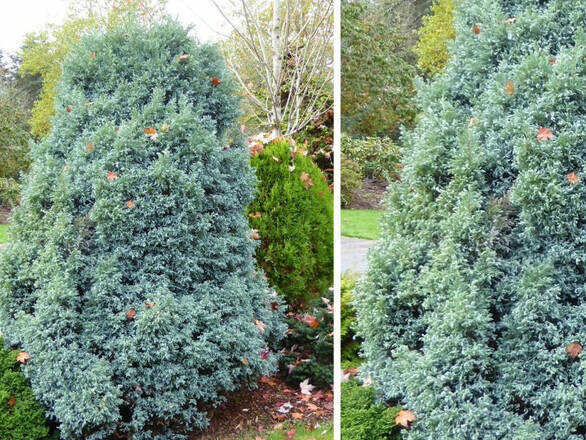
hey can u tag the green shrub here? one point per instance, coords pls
(14, 143)
(436, 31)
(293, 214)
(21, 416)
(308, 349)
(9, 191)
(377, 71)
(349, 345)
(378, 157)
(351, 179)
(362, 418)
(130, 278)
(472, 307)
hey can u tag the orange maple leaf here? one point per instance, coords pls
(216, 81)
(573, 178)
(476, 29)
(111, 175)
(574, 350)
(130, 314)
(404, 418)
(510, 89)
(544, 134)
(150, 131)
(22, 357)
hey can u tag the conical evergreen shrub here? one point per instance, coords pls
(473, 307)
(130, 279)
(293, 214)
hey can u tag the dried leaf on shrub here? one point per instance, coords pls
(404, 418)
(22, 357)
(573, 178)
(543, 134)
(574, 350)
(308, 181)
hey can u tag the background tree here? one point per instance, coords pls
(281, 52)
(378, 67)
(16, 97)
(130, 278)
(434, 35)
(43, 52)
(472, 307)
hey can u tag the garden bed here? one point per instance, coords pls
(273, 406)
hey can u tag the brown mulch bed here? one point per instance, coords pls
(369, 195)
(4, 214)
(258, 410)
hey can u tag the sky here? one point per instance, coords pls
(20, 17)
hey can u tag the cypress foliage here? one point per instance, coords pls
(21, 416)
(472, 307)
(130, 279)
(293, 214)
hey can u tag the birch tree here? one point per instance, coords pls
(281, 53)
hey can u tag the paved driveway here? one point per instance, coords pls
(354, 252)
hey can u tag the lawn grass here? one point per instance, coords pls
(3, 233)
(360, 223)
(302, 432)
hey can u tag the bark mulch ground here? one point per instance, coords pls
(369, 195)
(4, 214)
(272, 405)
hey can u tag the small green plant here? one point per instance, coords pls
(378, 157)
(350, 345)
(362, 418)
(351, 179)
(293, 216)
(309, 346)
(9, 191)
(21, 416)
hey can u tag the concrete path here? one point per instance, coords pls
(354, 252)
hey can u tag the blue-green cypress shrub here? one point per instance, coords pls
(475, 293)
(130, 278)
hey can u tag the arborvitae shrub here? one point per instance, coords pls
(475, 292)
(293, 214)
(363, 418)
(21, 416)
(130, 279)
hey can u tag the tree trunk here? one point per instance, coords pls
(277, 61)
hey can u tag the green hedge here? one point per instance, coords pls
(293, 214)
(21, 416)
